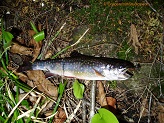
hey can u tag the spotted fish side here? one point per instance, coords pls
(88, 68)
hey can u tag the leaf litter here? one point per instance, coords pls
(37, 79)
(134, 38)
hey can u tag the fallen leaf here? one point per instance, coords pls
(104, 116)
(16, 48)
(101, 94)
(37, 45)
(111, 102)
(161, 117)
(161, 114)
(78, 89)
(37, 48)
(106, 102)
(60, 117)
(134, 38)
(37, 77)
(21, 76)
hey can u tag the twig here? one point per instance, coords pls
(80, 38)
(93, 95)
(73, 114)
(153, 8)
(143, 105)
(125, 111)
(65, 110)
(161, 60)
(84, 111)
(149, 109)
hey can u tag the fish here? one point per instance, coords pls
(84, 67)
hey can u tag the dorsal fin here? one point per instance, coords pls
(76, 54)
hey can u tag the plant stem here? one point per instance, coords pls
(58, 101)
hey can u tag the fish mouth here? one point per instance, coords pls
(128, 72)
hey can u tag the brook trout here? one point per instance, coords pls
(86, 68)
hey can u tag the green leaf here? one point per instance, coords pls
(8, 38)
(104, 116)
(60, 91)
(34, 27)
(78, 89)
(39, 36)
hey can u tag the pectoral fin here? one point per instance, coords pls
(98, 73)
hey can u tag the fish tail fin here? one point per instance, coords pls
(25, 67)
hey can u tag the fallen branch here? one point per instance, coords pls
(93, 95)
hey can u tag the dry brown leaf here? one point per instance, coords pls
(111, 102)
(21, 76)
(161, 117)
(101, 94)
(60, 117)
(31, 33)
(106, 102)
(161, 114)
(42, 84)
(134, 38)
(16, 48)
(37, 45)
(37, 48)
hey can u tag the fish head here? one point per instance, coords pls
(118, 72)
